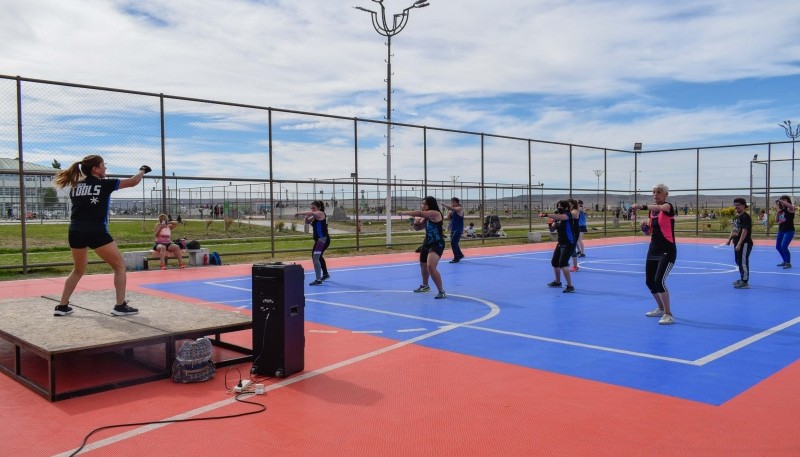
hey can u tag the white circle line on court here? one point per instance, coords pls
(494, 310)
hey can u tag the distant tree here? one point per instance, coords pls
(56, 164)
(49, 198)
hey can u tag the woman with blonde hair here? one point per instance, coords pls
(90, 195)
(164, 244)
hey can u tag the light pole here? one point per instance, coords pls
(787, 127)
(598, 173)
(399, 22)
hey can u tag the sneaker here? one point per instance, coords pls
(581, 255)
(736, 283)
(781, 264)
(315, 282)
(326, 276)
(787, 265)
(742, 285)
(456, 260)
(666, 319)
(124, 309)
(568, 290)
(423, 288)
(658, 312)
(62, 310)
(441, 294)
(554, 284)
(573, 269)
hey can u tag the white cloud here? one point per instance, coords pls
(323, 56)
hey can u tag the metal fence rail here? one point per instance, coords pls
(214, 159)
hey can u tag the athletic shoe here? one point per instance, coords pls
(787, 265)
(441, 294)
(568, 290)
(666, 319)
(554, 284)
(581, 255)
(315, 282)
(781, 264)
(736, 283)
(124, 309)
(658, 312)
(573, 269)
(423, 288)
(742, 285)
(326, 276)
(454, 260)
(62, 310)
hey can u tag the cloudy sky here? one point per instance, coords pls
(593, 72)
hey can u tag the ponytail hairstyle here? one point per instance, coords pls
(319, 204)
(77, 171)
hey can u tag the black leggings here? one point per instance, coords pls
(742, 257)
(657, 269)
(320, 245)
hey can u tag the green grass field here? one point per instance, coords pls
(47, 253)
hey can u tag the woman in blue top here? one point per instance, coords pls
(456, 227)
(319, 225)
(785, 220)
(563, 217)
(88, 228)
(432, 247)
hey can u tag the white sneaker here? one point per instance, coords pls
(666, 319)
(658, 312)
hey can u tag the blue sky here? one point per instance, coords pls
(593, 72)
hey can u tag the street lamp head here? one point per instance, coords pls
(421, 4)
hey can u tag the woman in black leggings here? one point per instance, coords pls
(662, 252)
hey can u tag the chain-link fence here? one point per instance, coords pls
(258, 166)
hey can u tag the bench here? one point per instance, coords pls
(138, 260)
(535, 237)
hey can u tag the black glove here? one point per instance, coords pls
(145, 169)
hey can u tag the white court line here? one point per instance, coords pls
(733, 347)
(301, 377)
(409, 330)
(698, 362)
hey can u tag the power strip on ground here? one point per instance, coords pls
(242, 385)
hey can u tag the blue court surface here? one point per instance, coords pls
(724, 340)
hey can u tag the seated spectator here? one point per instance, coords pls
(470, 231)
(164, 244)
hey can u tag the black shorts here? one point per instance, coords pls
(423, 254)
(166, 245)
(561, 255)
(81, 240)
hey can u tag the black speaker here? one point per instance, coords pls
(278, 319)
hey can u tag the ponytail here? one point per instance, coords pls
(77, 171)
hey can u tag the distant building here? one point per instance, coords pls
(35, 190)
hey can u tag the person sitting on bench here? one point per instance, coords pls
(164, 244)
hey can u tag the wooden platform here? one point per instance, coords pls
(91, 350)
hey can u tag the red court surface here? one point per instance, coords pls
(364, 395)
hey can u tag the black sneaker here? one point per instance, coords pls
(326, 276)
(315, 282)
(124, 309)
(456, 260)
(581, 255)
(62, 310)
(568, 290)
(554, 284)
